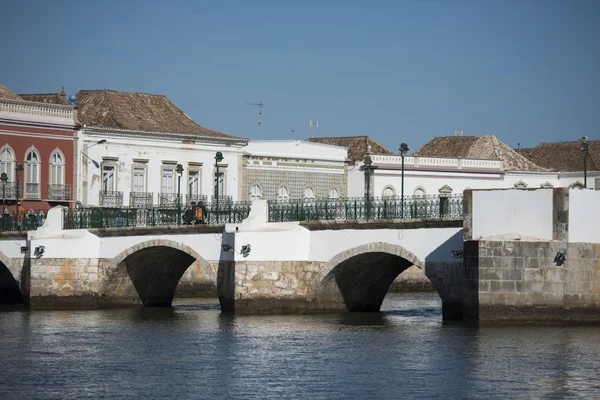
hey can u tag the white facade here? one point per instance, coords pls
(140, 167)
(293, 169)
(428, 175)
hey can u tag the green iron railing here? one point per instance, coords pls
(109, 217)
(361, 208)
(28, 220)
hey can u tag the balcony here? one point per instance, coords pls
(222, 199)
(32, 191)
(111, 199)
(9, 192)
(141, 199)
(167, 200)
(58, 192)
(195, 198)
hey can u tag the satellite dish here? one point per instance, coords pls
(314, 124)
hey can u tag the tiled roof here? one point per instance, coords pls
(50, 98)
(7, 94)
(138, 112)
(565, 156)
(485, 147)
(357, 146)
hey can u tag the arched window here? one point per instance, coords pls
(32, 175)
(334, 194)
(389, 192)
(283, 194)
(309, 194)
(256, 193)
(7, 160)
(57, 169)
(419, 192)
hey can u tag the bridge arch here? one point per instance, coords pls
(150, 271)
(361, 276)
(10, 292)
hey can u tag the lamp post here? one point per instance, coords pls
(218, 159)
(4, 179)
(179, 170)
(403, 151)
(17, 170)
(585, 147)
(367, 167)
(80, 181)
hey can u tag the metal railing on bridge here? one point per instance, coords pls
(361, 208)
(110, 217)
(28, 220)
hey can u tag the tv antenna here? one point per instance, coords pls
(313, 125)
(260, 106)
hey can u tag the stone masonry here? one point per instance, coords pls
(521, 281)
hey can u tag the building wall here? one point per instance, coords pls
(296, 165)
(155, 151)
(26, 126)
(584, 216)
(502, 212)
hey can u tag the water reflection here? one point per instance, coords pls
(194, 351)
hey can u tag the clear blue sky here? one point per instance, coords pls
(399, 71)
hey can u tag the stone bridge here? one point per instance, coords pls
(255, 266)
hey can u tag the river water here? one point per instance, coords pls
(192, 351)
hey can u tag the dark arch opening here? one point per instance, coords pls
(155, 273)
(10, 293)
(364, 279)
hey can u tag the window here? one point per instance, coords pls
(139, 180)
(108, 178)
(32, 164)
(194, 184)
(334, 194)
(6, 162)
(166, 185)
(57, 169)
(256, 193)
(282, 194)
(220, 184)
(309, 194)
(389, 192)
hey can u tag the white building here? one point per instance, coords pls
(131, 144)
(448, 165)
(291, 169)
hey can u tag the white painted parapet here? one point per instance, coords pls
(584, 216)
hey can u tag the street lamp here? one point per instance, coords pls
(585, 147)
(102, 141)
(17, 170)
(367, 167)
(403, 151)
(4, 179)
(218, 159)
(179, 170)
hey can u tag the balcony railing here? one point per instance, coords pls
(59, 192)
(32, 191)
(195, 198)
(10, 191)
(360, 208)
(141, 199)
(222, 199)
(167, 200)
(111, 199)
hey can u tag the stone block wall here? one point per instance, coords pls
(520, 281)
(63, 283)
(279, 287)
(413, 279)
(198, 281)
